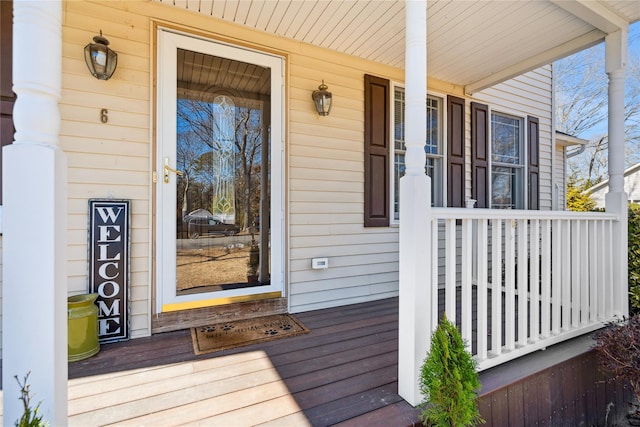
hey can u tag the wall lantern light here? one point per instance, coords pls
(322, 99)
(100, 59)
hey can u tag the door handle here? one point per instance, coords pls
(168, 169)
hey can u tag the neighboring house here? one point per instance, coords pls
(631, 187)
(221, 92)
(563, 141)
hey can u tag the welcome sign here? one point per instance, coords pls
(109, 266)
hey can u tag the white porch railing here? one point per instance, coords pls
(518, 281)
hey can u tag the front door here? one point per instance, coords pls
(219, 174)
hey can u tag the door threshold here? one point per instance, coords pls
(200, 316)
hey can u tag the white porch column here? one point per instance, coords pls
(616, 198)
(415, 204)
(34, 289)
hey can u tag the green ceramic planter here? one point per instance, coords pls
(83, 327)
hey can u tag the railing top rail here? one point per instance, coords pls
(479, 213)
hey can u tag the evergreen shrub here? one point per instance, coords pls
(449, 381)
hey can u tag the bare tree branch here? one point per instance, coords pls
(582, 110)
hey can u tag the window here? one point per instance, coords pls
(507, 162)
(500, 170)
(433, 148)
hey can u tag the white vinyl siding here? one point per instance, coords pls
(326, 190)
(109, 160)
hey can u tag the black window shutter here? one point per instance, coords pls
(533, 167)
(455, 152)
(376, 151)
(480, 154)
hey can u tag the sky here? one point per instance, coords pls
(634, 39)
(633, 53)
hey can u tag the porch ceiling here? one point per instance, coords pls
(474, 44)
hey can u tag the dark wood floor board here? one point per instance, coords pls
(164, 342)
(332, 348)
(323, 337)
(346, 387)
(148, 351)
(352, 406)
(399, 414)
(332, 319)
(330, 360)
(354, 318)
(116, 364)
(330, 375)
(361, 322)
(322, 316)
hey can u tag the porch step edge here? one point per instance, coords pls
(516, 370)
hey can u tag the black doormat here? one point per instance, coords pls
(225, 335)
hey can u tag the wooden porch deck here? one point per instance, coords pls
(344, 372)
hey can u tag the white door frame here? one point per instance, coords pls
(168, 43)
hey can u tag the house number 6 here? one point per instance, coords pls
(104, 118)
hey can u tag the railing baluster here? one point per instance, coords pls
(496, 286)
(435, 258)
(556, 290)
(583, 284)
(466, 277)
(575, 262)
(534, 280)
(522, 257)
(545, 292)
(594, 258)
(608, 262)
(509, 284)
(566, 275)
(481, 289)
(602, 270)
(450, 269)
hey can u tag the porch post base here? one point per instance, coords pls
(616, 202)
(34, 285)
(415, 274)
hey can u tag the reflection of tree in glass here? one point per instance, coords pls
(502, 188)
(505, 140)
(200, 145)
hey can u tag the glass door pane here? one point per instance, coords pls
(222, 146)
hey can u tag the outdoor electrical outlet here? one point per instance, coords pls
(319, 263)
